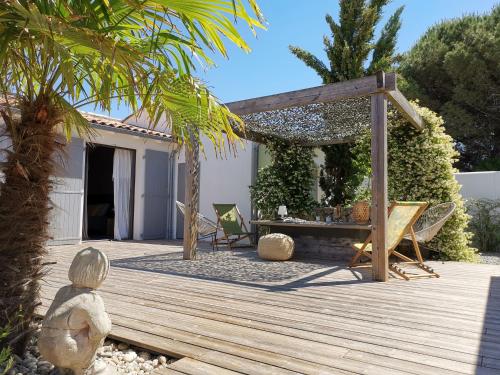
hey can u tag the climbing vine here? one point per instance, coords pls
(286, 181)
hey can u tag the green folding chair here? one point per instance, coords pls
(402, 217)
(231, 223)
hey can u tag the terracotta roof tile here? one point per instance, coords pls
(104, 121)
(100, 120)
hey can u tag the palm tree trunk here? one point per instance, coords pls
(192, 197)
(24, 210)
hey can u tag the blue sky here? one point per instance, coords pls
(270, 67)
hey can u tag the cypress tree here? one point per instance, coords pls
(348, 50)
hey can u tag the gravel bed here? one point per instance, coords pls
(490, 258)
(240, 265)
(124, 358)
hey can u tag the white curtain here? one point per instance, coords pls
(122, 176)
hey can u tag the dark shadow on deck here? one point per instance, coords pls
(489, 350)
(244, 267)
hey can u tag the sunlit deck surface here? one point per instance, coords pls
(328, 321)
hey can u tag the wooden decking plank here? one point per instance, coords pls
(398, 359)
(467, 354)
(400, 305)
(443, 326)
(375, 313)
(167, 371)
(185, 344)
(406, 315)
(340, 290)
(191, 366)
(191, 300)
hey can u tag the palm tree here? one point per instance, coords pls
(58, 55)
(347, 51)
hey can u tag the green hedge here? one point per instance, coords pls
(421, 168)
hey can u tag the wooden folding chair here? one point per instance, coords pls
(402, 216)
(231, 223)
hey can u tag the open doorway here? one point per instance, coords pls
(108, 207)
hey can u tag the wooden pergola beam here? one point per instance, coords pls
(381, 82)
(406, 109)
(321, 94)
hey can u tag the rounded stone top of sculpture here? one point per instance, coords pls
(89, 268)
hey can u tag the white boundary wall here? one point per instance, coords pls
(479, 185)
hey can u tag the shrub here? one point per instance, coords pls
(421, 169)
(485, 223)
(286, 181)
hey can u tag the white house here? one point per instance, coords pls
(223, 179)
(118, 184)
(123, 181)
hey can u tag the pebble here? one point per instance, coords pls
(121, 356)
(129, 356)
(122, 346)
(145, 355)
(490, 258)
(162, 359)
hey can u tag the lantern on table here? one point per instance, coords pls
(282, 212)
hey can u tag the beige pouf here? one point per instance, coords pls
(275, 246)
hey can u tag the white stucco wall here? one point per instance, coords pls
(139, 144)
(477, 185)
(225, 179)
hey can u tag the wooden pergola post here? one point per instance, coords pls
(192, 194)
(379, 215)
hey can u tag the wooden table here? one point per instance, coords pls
(312, 224)
(316, 238)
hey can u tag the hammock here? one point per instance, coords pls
(431, 221)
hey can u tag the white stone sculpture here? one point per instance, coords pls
(76, 323)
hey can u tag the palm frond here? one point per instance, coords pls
(137, 53)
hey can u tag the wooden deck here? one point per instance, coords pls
(331, 322)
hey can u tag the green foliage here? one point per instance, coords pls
(491, 164)
(421, 169)
(286, 181)
(485, 224)
(347, 50)
(138, 53)
(341, 174)
(57, 56)
(6, 358)
(454, 70)
(352, 42)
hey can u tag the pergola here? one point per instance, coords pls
(329, 114)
